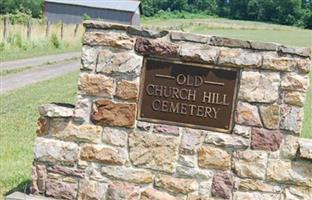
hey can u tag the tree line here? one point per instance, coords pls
(287, 12)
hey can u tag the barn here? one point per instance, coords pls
(75, 11)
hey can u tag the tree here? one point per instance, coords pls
(33, 7)
(253, 9)
(288, 11)
(223, 8)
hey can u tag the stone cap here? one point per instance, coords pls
(56, 110)
(203, 39)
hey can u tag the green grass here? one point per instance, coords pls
(18, 116)
(307, 125)
(16, 53)
(246, 30)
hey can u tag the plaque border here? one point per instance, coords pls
(209, 66)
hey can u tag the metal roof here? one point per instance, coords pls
(124, 5)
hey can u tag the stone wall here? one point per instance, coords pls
(99, 150)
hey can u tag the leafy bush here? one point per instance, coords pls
(306, 19)
(15, 40)
(56, 43)
(30, 7)
(19, 18)
(86, 17)
(177, 15)
(2, 46)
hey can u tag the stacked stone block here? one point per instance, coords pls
(98, 149)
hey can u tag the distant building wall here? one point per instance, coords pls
(73, 14)
(136, 17)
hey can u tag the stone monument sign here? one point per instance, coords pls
(167, 115)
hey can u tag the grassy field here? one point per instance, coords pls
(18, 116)
(17, 46)
(246, 30)
(18, 112)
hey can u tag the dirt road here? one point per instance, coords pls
(37, 61)
(37, 74)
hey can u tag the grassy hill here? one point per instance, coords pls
(246, 30)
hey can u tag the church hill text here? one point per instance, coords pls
(187, 98)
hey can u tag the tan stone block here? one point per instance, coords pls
(305, 149)
(109, 113)
(43, 126)
(290, 147)
(112, 39)
(293, 81)
(156, 47)
(205, 188)
(188, 37)
(294, 98)
(197, 197)
(61, 190)
(152, 194)
(153, 151)
(304, 65)
(124, 191)
(248, 185)
(250, 164)
(243, 131)
(39, 178)
(300, 51)
(270, 115)
(112, 62)
(255, 196)
(96, 85)
(229, 42)
(247, 114)
(82, 133)
(145, 32)
(191, 139)
(194, 173)
(239, 58)
(199, 53)
(296, 173)
(213, 158)
(56, 110)
(259, 87)
(115, 136)
(163, 128)
(127, 90)
(55, 151)
(139, 176)
(89, 57)
(83, 109)
(176, 185)
(291, 118)
(91, 190)
(279, 63)
(104, 25)
(66, 171)
(105, 155)
(297, 193)
(226, 140)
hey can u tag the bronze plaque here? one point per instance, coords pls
(193, 95)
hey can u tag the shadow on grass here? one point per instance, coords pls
(23, 187)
